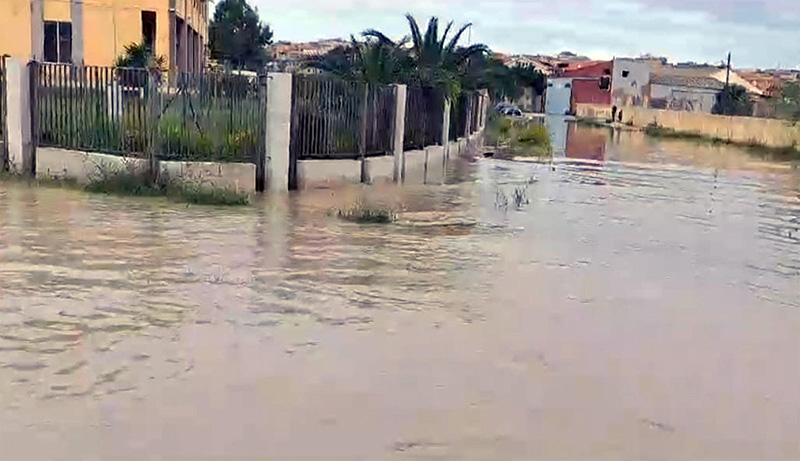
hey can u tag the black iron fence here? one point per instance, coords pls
(192, 117)
(332, 118)
(423, 120)
(214, 117)
(100, 109)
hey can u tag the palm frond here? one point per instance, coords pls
(454, 41)
(415, 34)
(444, 36)
(380, 36)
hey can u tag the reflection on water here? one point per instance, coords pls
(644, 300)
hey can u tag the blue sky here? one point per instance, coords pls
(759, 33)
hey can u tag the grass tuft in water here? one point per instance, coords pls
(361, 213)
(131, 182)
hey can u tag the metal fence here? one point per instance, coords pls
(336, 119)
(215, 117)
(193, 117)
(474, 109)
(424, 115)
(101, 109)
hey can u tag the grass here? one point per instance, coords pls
(592, 122)
(136, 184)
(785, 152)
(527, 138)
(132, 184)
(365, 214)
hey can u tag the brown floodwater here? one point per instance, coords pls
(627, 298)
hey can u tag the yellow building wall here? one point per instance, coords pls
(15, 23)
(108, 25)
(56, 10)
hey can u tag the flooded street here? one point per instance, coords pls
(628, 298)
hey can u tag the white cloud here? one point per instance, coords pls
(760, 34)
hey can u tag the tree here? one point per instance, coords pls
(440, 62)
(237, 37)
(139, 56)
(733, 100)
(788, 105)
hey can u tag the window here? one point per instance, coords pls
(57, 41)
(567, 85)
(149, 30)
(625, 73)
(605, 82)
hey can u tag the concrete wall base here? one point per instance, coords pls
(84, 167)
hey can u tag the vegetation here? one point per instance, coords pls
(782, 153)
(733, 100)
(431, 60)
(237, 37)
(788, 105)
(139, 56)
(137, 182)
(518, 137)
(362, 213)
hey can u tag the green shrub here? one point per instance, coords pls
(361, 213)
(534, 134)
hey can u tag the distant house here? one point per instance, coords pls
(591, 83)
(529, 101)
(558, 96)
(629, 81)
(691, 94)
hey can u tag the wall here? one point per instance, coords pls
(683, 98)
(769, 132)
(631, 89)
(109, 25)
(15, 23)
(55, 163)
(588, 91)
(593, 111)
(558, 96)
(423, 166)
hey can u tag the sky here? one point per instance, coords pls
(764, 34)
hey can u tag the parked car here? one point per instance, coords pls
(512, 110)
(501, 106)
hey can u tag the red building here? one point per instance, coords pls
(591, 82)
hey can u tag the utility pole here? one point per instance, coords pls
(728, 73)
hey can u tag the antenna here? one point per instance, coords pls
(728, 72)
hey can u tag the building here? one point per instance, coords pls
(629, 81)
(95, 32)
(691, 94)
(558, 96)
(591, 83)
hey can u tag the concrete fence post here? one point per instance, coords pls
(18, 118)
(76, 13)
(154, 114)
(446, 127)
(399, 129)
(37, 30)
(281, 172)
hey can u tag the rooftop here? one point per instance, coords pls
(687, 81)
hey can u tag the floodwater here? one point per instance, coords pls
(626, 299)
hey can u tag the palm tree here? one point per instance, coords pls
(139, 56)
(441, 62)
